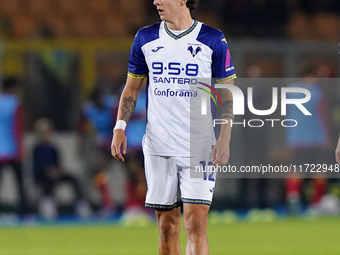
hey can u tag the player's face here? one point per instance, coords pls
(167, 9)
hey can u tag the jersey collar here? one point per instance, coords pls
(188, 31)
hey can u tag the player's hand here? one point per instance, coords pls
(221, 153)
(337, 152)
(118, 142)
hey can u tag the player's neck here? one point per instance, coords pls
(181, 23)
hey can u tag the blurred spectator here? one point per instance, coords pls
(256, 138)
(49, 174)
(59, 68)
(319, 188)
(253, 191)
(98, 120)
(11, 136)
(310, 137)
(53, 85)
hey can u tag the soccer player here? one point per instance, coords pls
(174, 54)
(337, 152)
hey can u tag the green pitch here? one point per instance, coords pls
(294, 236)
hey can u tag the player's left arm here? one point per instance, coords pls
(221, 150)
(337, 152)
(224, 72)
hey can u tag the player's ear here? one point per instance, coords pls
(183, 2)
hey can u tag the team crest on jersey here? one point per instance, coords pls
(193, 51)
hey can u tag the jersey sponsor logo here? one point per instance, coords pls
(224, 40)
(175, 93)
(157, 49)
(174, 80)
(174, 68)
(193, 51)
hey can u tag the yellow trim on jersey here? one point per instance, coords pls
(190, 29)
(224, 40)
(231, 77)
(136, 76)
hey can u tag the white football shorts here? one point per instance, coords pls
(170, 183)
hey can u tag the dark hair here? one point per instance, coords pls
(9, 83)
(192, 4)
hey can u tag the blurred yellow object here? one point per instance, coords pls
(14, 52)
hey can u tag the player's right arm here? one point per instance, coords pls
(127, 105)
(137, 71)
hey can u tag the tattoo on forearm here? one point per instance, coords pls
(227, 110)
(128, 107)
(228, 106)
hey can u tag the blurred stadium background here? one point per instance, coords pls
(62, 51)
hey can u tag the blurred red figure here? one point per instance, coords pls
(319, 189)
(293, 193)
(11, 135)
(309, 140)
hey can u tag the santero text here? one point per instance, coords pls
(174, 80)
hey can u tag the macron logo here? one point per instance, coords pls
(158, 48)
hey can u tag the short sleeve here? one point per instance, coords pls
(222, 65)
(137, 65)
